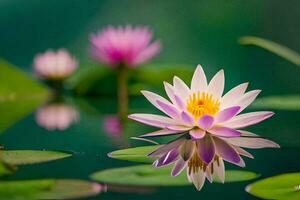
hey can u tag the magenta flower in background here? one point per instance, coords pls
(128, 45)
(112, 125)
(54, 65)
(57, 116)
(208, 124)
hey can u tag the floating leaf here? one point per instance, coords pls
(48, 189)
(70, 189)
(23, 157)
(147, 175)
(273, 47)
(137, 154)
(24, 189)
(6, 169)
(19, 94)
(287, 102)
(284, 186)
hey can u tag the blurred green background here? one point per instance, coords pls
(192, 32)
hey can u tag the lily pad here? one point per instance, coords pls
(6, 169)
(137, 154)
(70, 189)
(19, 94)
(23, 157)
(286, 102)
(273, 47)
(280, 187)
(48, 189)
(147, 175)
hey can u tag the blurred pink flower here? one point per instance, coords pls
(54, 65)
(124, 45)
(57, 116)
(112, 125)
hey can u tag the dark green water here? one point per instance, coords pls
(192, 32)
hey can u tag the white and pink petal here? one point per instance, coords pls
(178, 167)
(248, 119)
(152, 98)
(231, 97)
(187, 118)
(197, 133)
(227, 114)
(168, 109)
(224, 132)
(206, 122)
(199, 82)
(206, 149)
(162, 132)
(181, 89)
(252, 142)
(247, 99)
(226, 151)
(153, 120)
(216, 85)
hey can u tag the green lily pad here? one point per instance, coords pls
(273, 47)
(23, 157)
(70, 189)
(137, 154)
(48, 189)
(286, 102)
(147, 175)
(6, 169)
(280, 187)
(19, 94)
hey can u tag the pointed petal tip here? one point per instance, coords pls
(166, 83)
(176, 78)
(129, 116)
(271, 113)
(198, 188)
(109, 155)
(222, 180)
(199, 67)
(257, 91)
(276, 145)
(248, 188)
(154, 164)
(143, 91)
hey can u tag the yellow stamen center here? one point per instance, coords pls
(200, 104)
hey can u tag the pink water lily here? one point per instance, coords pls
(124, 45)
(54, 65)
(209, 125)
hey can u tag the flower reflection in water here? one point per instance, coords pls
(57, 116)
(112, 125)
